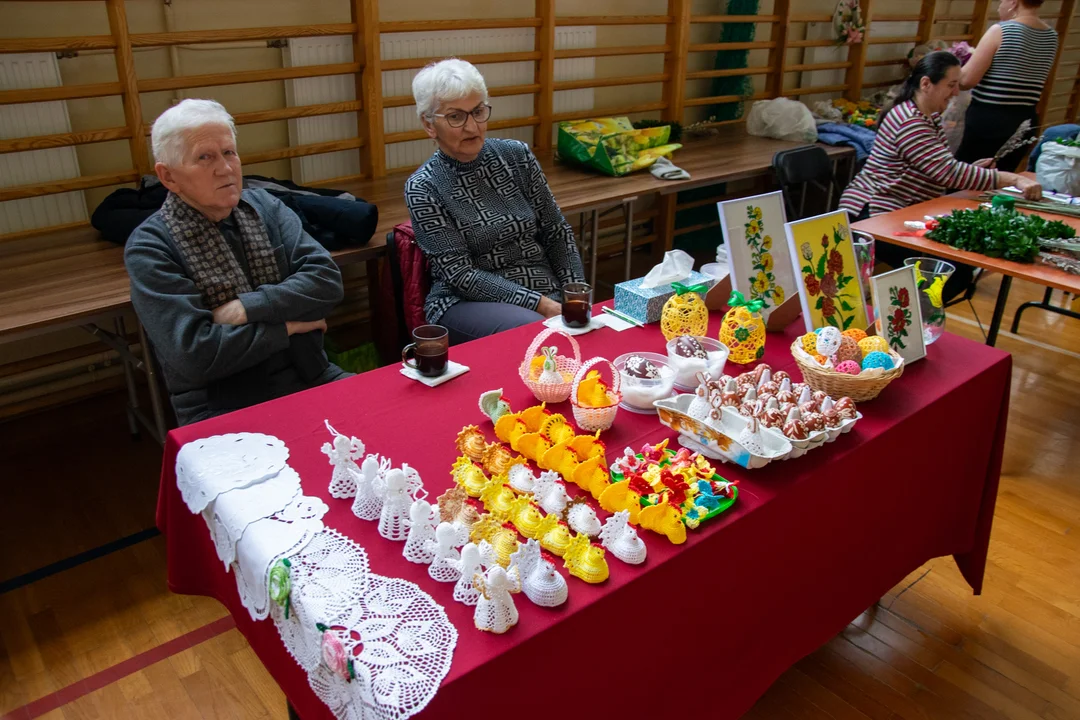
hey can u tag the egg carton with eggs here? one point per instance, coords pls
(737, 438)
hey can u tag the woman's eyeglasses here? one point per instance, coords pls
(458, 118)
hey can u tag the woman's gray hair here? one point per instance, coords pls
(169, 134)
(445, 81)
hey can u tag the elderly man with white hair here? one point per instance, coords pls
(231, 290)
(499, 247)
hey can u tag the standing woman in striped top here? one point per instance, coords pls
(1007, 73)
(911, 163)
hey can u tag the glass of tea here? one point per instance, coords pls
(430, 348)
(576, 305)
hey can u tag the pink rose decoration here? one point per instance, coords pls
(333, 654)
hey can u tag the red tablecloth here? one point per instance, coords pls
(702, 627)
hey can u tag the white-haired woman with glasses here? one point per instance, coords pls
(499, 247)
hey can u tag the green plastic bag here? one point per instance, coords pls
(612, 145)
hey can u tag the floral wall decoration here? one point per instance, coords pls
(830, 288)
(758, 261)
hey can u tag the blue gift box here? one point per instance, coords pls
(646, 304)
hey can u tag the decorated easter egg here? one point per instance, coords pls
(855, 334)
(877, 359)
(685, 313)
(809, 343)
(848, 350)
(743, 330)
(873, 343)
(821, 360)
(850, 367)
(828, 341)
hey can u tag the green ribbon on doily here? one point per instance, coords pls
(737, 300)
(280, 585)
(681, 289)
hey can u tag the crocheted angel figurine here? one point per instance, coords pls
(369, 481)
(621, 539)
(549, 493)
(540, 581)
(393, 518)
(464, 590)
(420, 543)
(495, 610)
(446, 565)
(343, 454)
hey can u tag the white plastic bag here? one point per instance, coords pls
(952, 120)
(1058, 168)
(782, 119)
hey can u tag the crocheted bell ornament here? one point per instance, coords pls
(540, 581)
(495, 610)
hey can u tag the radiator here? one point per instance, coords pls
(396, 46)
(310, 91)
(19, 72)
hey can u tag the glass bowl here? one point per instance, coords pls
(686, 369)
(639, 394)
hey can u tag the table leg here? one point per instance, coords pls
(594, 246)
(628, 207)
(129, 379)
(999, 310)
(1044, 304)
(293, 715)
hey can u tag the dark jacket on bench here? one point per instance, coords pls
(210, 368)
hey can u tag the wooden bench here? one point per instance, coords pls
(73, 278)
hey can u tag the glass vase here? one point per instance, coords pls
(931, 275)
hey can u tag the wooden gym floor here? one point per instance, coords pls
(104, 638)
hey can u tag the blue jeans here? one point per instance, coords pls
(471, 320)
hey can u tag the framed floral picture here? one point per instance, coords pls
(758, 264)
(830, 288)
(896, 299)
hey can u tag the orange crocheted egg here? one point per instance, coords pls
(855, 334)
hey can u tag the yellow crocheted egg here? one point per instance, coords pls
(855, 334)
(809, 343)
(684, 314)
(744, 334)
(873, 343)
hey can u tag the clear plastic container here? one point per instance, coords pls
(638, 394)
(686, 369)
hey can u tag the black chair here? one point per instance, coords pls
(801, 170)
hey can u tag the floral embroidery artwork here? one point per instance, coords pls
(831, 289)
(763, 285)
(758, 261)
(900, 318)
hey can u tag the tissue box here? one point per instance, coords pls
(646, 304)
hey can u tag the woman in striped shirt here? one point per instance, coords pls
(1007, 74)
(911, 163)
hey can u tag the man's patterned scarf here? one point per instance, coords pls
(213, 267)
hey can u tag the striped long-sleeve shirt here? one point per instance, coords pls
(910, 163)
(1020, 66)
